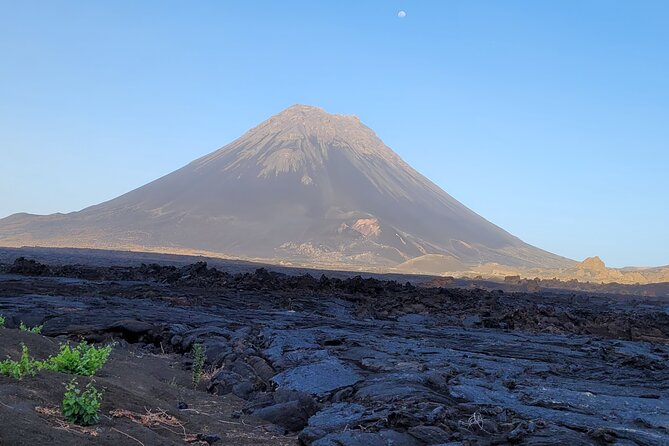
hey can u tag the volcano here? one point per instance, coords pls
(304, 185)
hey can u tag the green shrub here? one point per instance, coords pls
(84, 359)
(22, 367)
(2, 321)
(198, 363)
(81, 407)
(36, 329)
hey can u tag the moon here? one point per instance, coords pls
(402, 14)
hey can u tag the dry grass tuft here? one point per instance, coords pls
(153, 419)
(209, 373)
(56, 418)
(474, 421)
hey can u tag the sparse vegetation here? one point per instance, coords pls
(2, 321)
(81, 407)
(23, 367)
(36, 329)
(199, 357)
(84, 359)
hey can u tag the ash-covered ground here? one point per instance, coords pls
(352, 361)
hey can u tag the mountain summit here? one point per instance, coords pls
(304, 185)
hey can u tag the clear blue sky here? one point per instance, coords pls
(550, 119)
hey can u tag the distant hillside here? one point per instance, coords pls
(303, 185)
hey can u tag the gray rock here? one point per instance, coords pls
(176, 340)
(436, 414)
(297, 357)
(261, 367)
(471, 321)
(243, 369)
(193, 336)
(413, 318)
(358, 438)
(389, 391)
(243, 389)
(376, 365)
(337, 417)
(430, 435)
(310, 434)
(601, 379)
(292, 415)
(216, 349)
(319, 378)
(343, 394)
(130, 329)
(285, 395)
(394, 438)
(517, 434)
(224, 381)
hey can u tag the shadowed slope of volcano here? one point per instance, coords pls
(304, 185)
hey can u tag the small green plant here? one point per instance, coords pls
(81, 407)
(2, 321)
(84, 359)
(37, 329)
(23, 367)
(198, 363)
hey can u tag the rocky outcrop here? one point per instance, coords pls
(359, 361)
(593, 264)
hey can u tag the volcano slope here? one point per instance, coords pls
(356, 361)
(304, 185)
